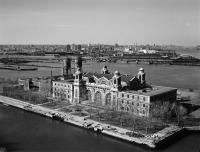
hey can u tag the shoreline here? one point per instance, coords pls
(151, 141)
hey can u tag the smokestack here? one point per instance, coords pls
(66, 68)
(51, 85)
(78, 63)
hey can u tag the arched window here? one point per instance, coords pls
(108, 99)
(98, 98)
(115, 81)
(89, 95)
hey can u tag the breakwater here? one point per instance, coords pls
(18, 68)
(149, 140)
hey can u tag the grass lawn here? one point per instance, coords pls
(66, 110)
(81, 114)
(56, 104)
(77, 108)
(92, 110)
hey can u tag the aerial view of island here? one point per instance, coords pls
(99, 76)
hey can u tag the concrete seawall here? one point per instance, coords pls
(150, 141)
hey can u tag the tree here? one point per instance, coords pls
(179, 111)
(99, 116)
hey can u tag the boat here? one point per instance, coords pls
(98, 129)
(5, 104)
(57, 117)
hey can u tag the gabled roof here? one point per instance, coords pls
(107, 76)
(124, 78)
(89, 74)
(127, 78)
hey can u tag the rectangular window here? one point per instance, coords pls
(143, 105)
(127, 96)
(143, 98)
(132, 97)
(122, 95)
(138, 104)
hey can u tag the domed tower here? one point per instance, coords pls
(78, 86)
(78, 75)
(117, 80)
(104, 70)
(141, 76)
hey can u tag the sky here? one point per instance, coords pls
(160, 22)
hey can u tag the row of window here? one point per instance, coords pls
(57, 89)
(62, 95)
(133, 103)
(63, 85)
(131, 96)
(127, 109)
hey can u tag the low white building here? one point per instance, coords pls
(147, 51)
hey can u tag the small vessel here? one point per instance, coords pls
(5, 104)
(57, 117)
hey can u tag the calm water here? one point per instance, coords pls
(174, 76)
(23, 131)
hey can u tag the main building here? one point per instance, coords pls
(120, 92)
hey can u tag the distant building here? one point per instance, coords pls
(147, 51)
(128, 50)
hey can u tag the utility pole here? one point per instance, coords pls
(51, 84)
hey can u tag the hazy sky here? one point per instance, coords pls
(100, 21)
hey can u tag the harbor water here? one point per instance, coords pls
(187, 77)
(28, 132)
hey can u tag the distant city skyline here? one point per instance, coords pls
(161, 22)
